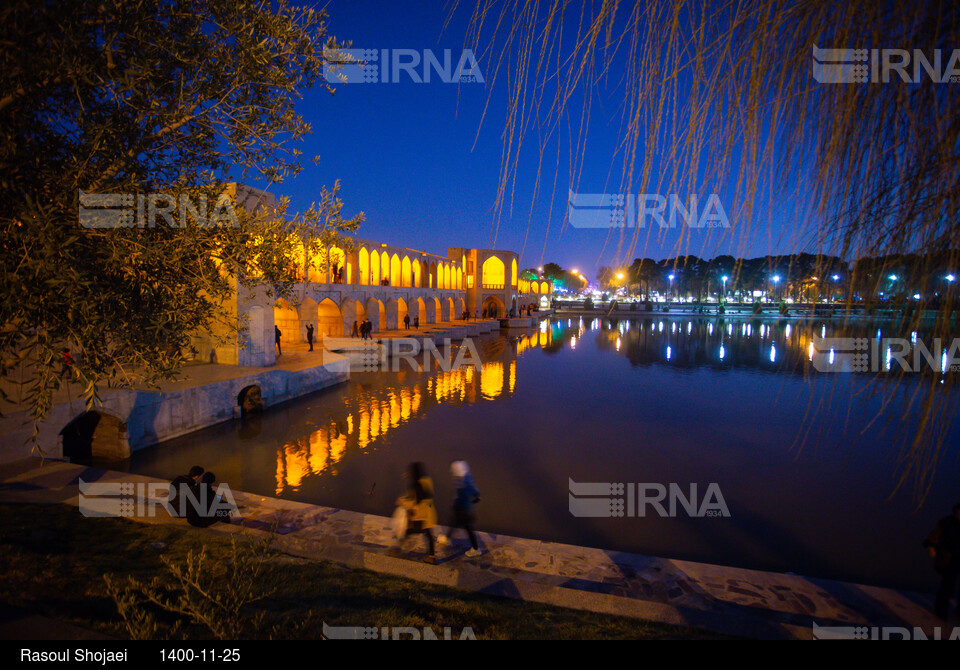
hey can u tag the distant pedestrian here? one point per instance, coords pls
(406, 322)
(418, 501)
(943, 543)
(477, 314)
(356, 329)
(310, 335)
(416, 321)
(465, 498)
(276, 337)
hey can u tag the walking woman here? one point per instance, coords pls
(419, 503)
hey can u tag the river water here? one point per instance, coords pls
(814, 468)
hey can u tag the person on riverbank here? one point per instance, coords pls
(204, 509)
(180, 489)
(406, 322)
(465, 498)
(310, 335)
(276, 338)
(943, 543)
(418, 501)
(356, 329)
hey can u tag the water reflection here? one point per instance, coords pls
(660, 399)
(780, 346)
(376, 404)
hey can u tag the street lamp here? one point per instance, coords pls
(671, 285)
(724, 278)
(950, 278)
(776, 281)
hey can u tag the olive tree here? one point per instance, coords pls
(135, 97)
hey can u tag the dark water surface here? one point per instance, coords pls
(807, 463)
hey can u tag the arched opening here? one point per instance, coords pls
(493, 274)
(363, 260)
(440, 282)
(451, 315)
(402, 312)
(337, 265)
(461, 306)
(329, 319)
(384, 267)
(544, 302)
(535, 287)
(405, 272)
(286, 318)
(493, 307)
(395, 275)
(446, 277)
(95, 435)
(250, 400)
(432, 276)
(544, 287)
(416, 273)
(513, 273)
(437, 315)
(374, 268)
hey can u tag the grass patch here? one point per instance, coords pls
(54, 561)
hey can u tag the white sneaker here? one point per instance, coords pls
(471, 553)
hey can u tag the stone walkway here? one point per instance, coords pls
(726, 600)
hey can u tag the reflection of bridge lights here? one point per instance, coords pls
(723, 352)
(668, 352)
(773, 353)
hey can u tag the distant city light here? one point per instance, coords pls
(950, 277)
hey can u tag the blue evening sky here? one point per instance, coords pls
(416, 160)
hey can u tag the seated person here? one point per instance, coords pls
(206, 510)
(178, 488)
